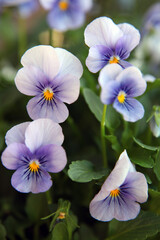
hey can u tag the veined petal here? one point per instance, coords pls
(40, 108)
(30, 79)
(109, 73)
(43, 57)
(109, 92)
(47, 4)
(69, 64)
(16, 134)
(24, 182)
(102, 31)
(132, 110)
(13, 155)
(132, 81)
(124, 64)
(54, 158)
(118, 174)
(43, 132)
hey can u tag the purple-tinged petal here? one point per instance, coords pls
(69, 64)
(24, 182)
(98, 57)
(26, 9)
(109, 92)
(109, 73)
(132, 110)
(154, 127)
(29, 80)
(13, 155)
(133, 33)
(64, 20)
(136, 186)
(47, 4)
(52, 158)
(122, 48)
(43, 57)
(124, 64)
(40, 108)
(85, 5)
(118, 174)
(132, 81)
(16, 134)
(102, 31)
(43, 132)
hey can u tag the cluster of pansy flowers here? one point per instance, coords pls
(51, 76)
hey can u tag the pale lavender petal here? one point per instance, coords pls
(109, 73)
(85, 5)
(69, 64)
(43, 57)
(56, 110)
(16, 133)
(133, 33)
(132, 110)
(132, 81)
(154, 127)
(43, 132)
(118, 174)
(25, 181)
(12, 157)
(109, 92)
(136, 186)
(122, 48)
(102, 31)
(29, 80)
(47, 4)
(52, 158)
(124, 64)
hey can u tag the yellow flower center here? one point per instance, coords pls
(48, 94)
(34, 166)
(114, 59)
(121, 96)
(63, 5)
(62, 215)
(115, 193)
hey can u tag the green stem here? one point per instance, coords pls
(50, 37)
(49, 198)
(103, 141)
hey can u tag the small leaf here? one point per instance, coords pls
(141, 157)
(2, 232)
(151, 148)
(114, 141)
(83, 171)
(60, 232)
(156, 166)
(145, 225)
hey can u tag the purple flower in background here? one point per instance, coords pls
(109, 43)
(66, 14)
(33, 150)
(120, 194)
(119, 87)
(52, 76)
(26, 9)
(6, 3)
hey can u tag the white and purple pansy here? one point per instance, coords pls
(66, 14)
(109, 43)
(121, 193)
(52, 75)
(34, 149)
(120, 87)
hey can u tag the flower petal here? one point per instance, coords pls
(109, 92)
(54, 158)
(16, 133)
(12, 156)
(47, 4)
(102, 31)
(132, 110)
(43, 132)
(43, 57)
(40, 108)
(34, 183)
(85, 5)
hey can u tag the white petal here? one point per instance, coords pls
(47, 4)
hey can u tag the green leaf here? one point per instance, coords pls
(60, 232)
(157, 166)
(114, 141)
(84, 171)
(154, 203)
(2, 232)
(94, 103)
(141, 157)
(151, 148)
(145, 225)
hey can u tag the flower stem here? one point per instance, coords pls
(103, 141)
(49, 198)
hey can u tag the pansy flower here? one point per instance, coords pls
(109, 43)
(52, 76)
(34, 149)
(26, 9)
(66, 14)
(121, 193)
(155, 121)
(119, 87)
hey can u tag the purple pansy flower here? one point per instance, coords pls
(66, 14)
(52, 76)
(33, 150)
(119, 87)
(109, 43)
(26, 9)
(120, 194)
